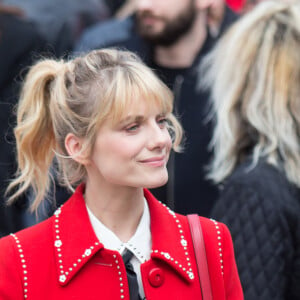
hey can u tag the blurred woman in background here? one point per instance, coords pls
(254, 73)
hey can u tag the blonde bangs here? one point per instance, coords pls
(128, 87)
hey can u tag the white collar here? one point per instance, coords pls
(139, 244)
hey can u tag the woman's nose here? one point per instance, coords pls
(159, 138)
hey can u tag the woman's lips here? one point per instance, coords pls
(154, 161)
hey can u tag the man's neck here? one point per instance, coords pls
(183, 53)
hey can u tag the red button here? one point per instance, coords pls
(156, 277)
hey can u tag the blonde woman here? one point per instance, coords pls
(108, 121)
(254, 73)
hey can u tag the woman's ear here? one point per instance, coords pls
(73, 146)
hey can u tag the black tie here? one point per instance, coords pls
(131, 276)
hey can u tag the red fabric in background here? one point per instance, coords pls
(236, 5)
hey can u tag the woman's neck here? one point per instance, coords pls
(119, 209)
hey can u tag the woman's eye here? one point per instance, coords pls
(132, 128)
(162, 122)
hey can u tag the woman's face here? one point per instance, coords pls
(134, 151)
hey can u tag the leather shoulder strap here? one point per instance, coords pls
(200, 254)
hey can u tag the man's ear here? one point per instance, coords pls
(204, 4)
(73, 146)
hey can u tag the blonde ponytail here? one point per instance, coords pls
(34, 132)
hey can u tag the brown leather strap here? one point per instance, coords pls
(200, 254)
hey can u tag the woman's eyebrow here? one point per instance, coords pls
(132, 118)
(138, 118)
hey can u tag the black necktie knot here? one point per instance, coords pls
(127, 255)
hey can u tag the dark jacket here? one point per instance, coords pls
(262, 208)
(186, 170)
(20, 45)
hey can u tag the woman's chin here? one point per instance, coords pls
(157, 184)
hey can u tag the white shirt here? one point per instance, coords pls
(139, 244)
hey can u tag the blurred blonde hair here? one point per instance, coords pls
(254, 74)
(76, 96)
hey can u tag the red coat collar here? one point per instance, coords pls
(75, 241)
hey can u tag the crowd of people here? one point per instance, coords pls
(107, 106)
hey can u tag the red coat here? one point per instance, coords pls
(61, 258)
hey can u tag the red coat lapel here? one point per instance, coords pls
(74, 239)
(169, 240)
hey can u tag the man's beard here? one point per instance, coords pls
(173, 31)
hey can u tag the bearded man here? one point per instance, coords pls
(172, 36)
